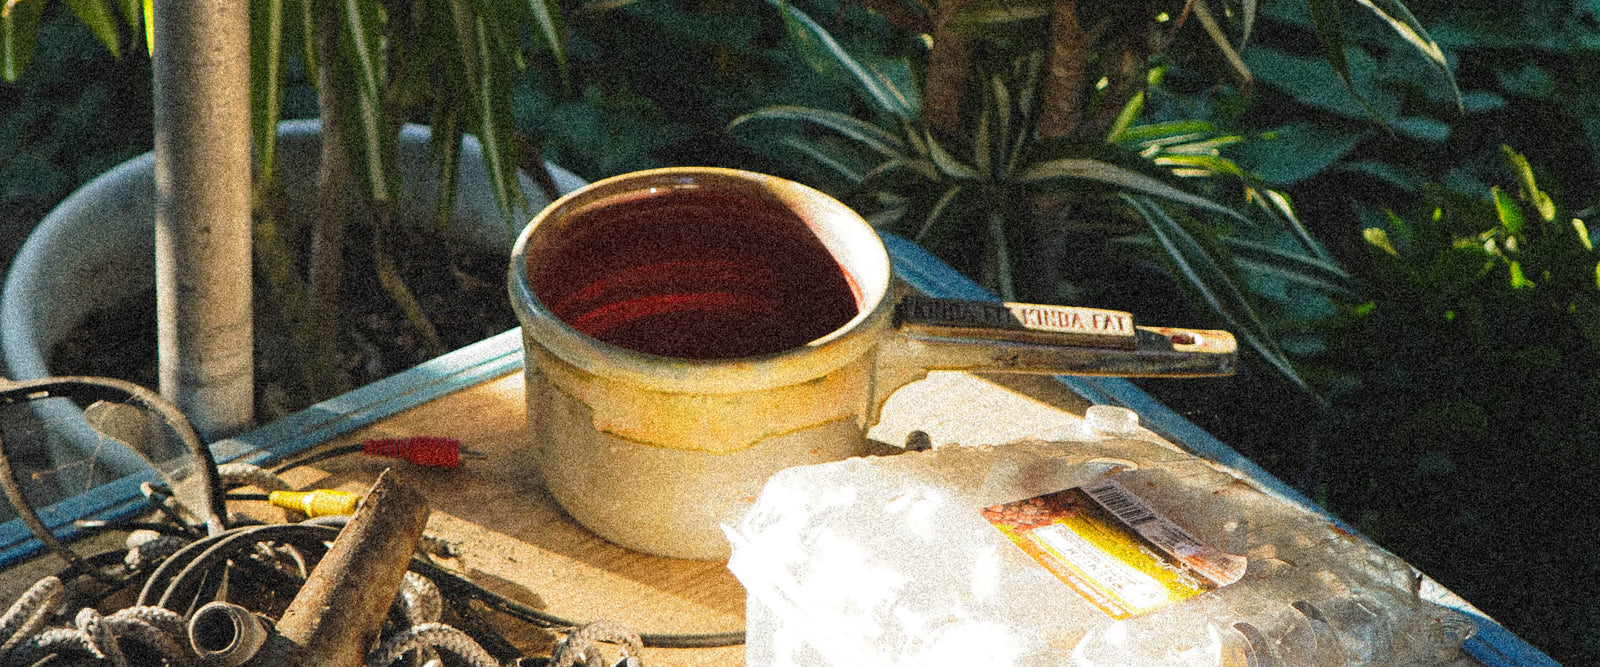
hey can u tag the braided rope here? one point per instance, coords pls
(29, 613)
(92, 625)
(157, 627)
(55, 640)
(421, 599)
(153, 550)
(584, 644)
(249, 474)
(431, 635)
(91, 634)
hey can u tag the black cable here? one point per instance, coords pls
(477, 627)
(171, 575)
(30, 516)
(192, 577)
(97, 526)
(317, 457)
(159, 498)
(88, 389)
(446, 579)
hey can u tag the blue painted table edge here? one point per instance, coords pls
(498, 355)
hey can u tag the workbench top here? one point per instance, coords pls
(504, 531)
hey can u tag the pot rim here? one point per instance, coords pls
(846, 235)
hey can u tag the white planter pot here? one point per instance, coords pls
(97, 249)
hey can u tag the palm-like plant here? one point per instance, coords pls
(375, 64)
(1026, 138)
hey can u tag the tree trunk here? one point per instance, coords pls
(949, 68)
(1063, 95)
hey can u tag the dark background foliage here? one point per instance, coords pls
(1459, 414)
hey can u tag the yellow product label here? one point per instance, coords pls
(1113, 549)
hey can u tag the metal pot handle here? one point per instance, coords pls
(980, 336)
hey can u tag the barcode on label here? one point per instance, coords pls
(1131, 510)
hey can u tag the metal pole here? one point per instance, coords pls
(202, 147)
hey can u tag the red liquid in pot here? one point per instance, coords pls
(694, 275)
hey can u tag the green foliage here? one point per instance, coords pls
(998, 178)
(632, 108)
(54, 137)
(1526, 72)
(1465, 382)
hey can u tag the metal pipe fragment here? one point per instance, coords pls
(340, 610)
(226, 635)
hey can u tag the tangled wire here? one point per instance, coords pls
(183, 575)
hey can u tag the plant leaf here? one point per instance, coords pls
(1130, 112)
(131, 13)
(996, 14)
(1249, 11)
(1002, 255)
(1530, 189)
(821, 154)
(1330, 33)
(1211, 164)
(981, 139)
(547, 20)
(266, 81)
(1277, 206)
(1002, 153)
(360, 45)
(1410, 29)
(1105, 172)
(867, 134)
(939, 207)
(947, 163)
(1208, 274)
(1509, 213)
(389, 277)
(445, 144)
(19, 32)
(494, 126)
(1379, 239)
(1166, 132)
(1316, 273)
(98, 16)
(814, 39)
(1220, 38)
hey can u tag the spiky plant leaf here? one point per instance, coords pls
(266, 82)
(547, 21)
(1295, 267)
(19, 28)
(360, 77)
(1105, 172)
(1220, 38)
(821, 46)
(493, 106)
(445, 145)
(947, 163)
(867, 134)
(101, 20)
(1410, 29)
(1210, 275)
